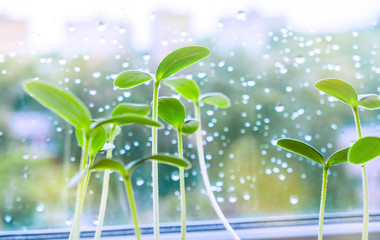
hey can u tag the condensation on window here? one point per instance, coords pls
(267, 64)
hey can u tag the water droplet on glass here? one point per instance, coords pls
(139, 182)
(232, 199)
(40, 207)
(175, 176)
(96, 74)
(279, 108)
(293, 199)
(92, 92)
(7, 218)
(308, 138)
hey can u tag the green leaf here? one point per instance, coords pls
(216, 99)
(126, 119)
(123, 108)
(171, 111)
(163, 159)
(131, 78)
(190, 126)
(187, 88)
(338, 157)
(180, 59)
(369, 101)
(109, 164)
(62, 102)
(339, 89)
(98, 138)
(364, 150)
(302, 149)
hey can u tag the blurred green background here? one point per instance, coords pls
(267, 68)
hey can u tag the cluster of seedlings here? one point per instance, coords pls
(96, 135)
(362, 151)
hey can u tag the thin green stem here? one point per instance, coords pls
(365, 204)
(132, 206)
(75, 233)
(364, 180)
(357, 121)
(182, 188)
(323, 202)
(104, 197)
(205, 178)
(156, 210)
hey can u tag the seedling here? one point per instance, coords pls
(74, 111)
(112, 131)
(346, 93)
(311, 153)
(189, 89)
(125, 172)
(172, 63)
(172, 111)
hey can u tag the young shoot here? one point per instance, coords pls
(91, 135)
(171, 64)
(172, 111)
(311, 153)
(189, 89)
(112, 131)
(346, 93)
(126, 171)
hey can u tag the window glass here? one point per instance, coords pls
(265, 56)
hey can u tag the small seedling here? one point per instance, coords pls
(125, 172)
(172, 111)
(112, 131)
(74, 111)
(172, 63)
(346, 93)
(189, 89)
(311, 153)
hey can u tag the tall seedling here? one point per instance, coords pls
(125, 172)
(189, 89)
(172, 63)
(346, 93)
(311, 153)
(172, 111)
(74, 111)
(112, 131)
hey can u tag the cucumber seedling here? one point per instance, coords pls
(189, 89)
(311, 153)
(346, 93)
(74, 111)
(173, 112)
(126, 171)
(172, 63)
(112, 131)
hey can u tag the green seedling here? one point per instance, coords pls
(74, 111)
(189, 89)
(311, 153)
(112, 131)
(172, 111)
(346, 93)
(126, 171)
(172, 63)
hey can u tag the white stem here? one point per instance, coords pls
(205, 178)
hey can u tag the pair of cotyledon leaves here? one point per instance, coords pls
(174, 62)
(363, 150)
